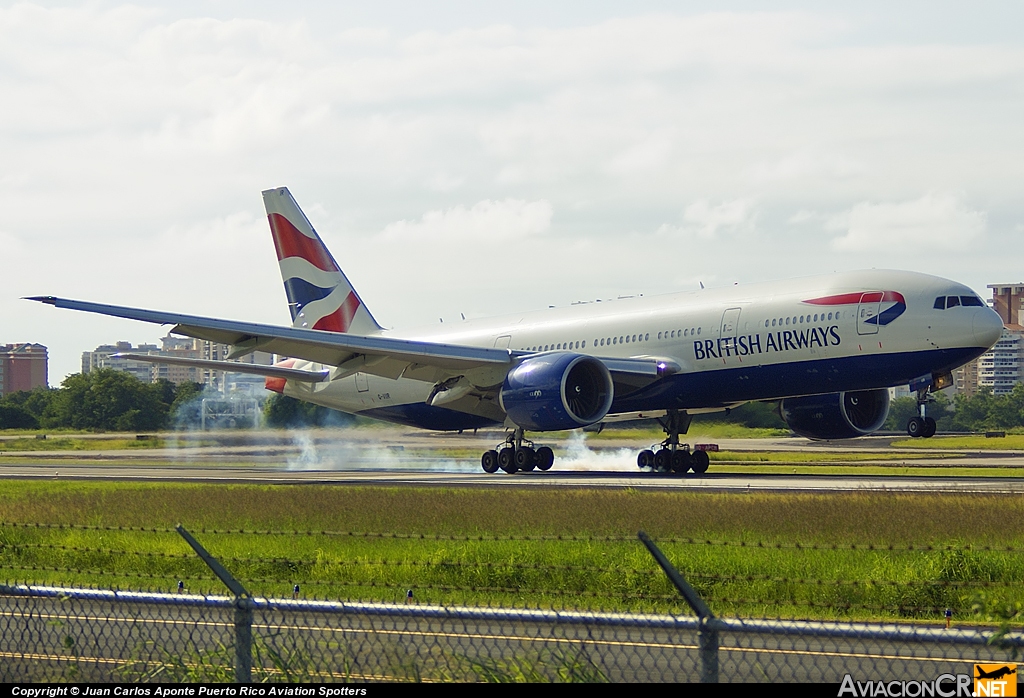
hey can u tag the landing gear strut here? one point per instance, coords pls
(671, 456)
(517, 453)
(923, 426)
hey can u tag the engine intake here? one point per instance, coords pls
(837, 415)
(557, 391)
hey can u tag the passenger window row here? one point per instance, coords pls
(558, 346)
(801, 319)
(599, 342)
(675, 334)
(622, 339)
(947, 302)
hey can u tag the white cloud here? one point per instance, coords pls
(126, 129)
(706, 220)
(650, 154)
(803, 216)
(925, 224)
(508, 220)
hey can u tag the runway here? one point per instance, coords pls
(710, 482)
(392, 457)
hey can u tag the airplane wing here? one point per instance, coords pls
(350, 353)
(384, 356)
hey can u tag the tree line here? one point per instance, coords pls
(983, 411)
(108, 400)
(101, 400)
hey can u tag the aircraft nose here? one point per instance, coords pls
(988, 326)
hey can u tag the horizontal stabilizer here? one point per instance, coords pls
(292, 374)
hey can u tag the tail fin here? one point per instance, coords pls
(320, 296)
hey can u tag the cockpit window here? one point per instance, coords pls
(940, 303)
(952, 302)
(972, 301)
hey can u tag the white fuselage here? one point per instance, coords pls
(754, 342)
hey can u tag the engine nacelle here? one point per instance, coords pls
(557, 391)
(837, 415)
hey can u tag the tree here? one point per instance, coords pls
(186, 405)
(107, 400)
(32, 401)
(985, 411)
(15, 417)
(903, 408)
(284, 411)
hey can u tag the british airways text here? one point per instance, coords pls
(784, 340)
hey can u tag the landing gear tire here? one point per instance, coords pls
(680, 462)
(645, 459)
(916, 427)
(489, 461)
(507, 460)
(545, 458)
(526, 459)
(929, 428)
(663, 460)
(700, 462)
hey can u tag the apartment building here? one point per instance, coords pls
(22, 367)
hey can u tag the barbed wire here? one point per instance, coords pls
(638, 597)
(834, 605)
(654, 574)
(810, 581)
(429, 565)
(795, 545)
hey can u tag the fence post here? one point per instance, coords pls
(243, 608)
(707, 633)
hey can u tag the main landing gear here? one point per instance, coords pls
(517, 453)
(671, 456)
(923, 426)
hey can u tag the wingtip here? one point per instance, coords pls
(51, 300)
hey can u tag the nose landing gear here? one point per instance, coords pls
(513, 455)
(923, 426)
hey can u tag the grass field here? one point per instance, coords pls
(562, 548)
(66, 443)
(1010, 442)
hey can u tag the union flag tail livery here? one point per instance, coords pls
(320, 296)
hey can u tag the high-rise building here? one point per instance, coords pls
(965, 378)
(221, 381)
(1006, 300)
(105, 356)
(182, 347)
(1002, 367)
(22, 367)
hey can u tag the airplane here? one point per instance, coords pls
(826, 348)
(1004, 670)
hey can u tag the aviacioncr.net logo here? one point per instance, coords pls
(943, 686)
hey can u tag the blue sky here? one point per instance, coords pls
(483, 158)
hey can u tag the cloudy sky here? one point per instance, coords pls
(465, 157)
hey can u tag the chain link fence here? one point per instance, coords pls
(50, 633)
(58, 634)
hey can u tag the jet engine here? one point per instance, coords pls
(837, 415)
(557, 391)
